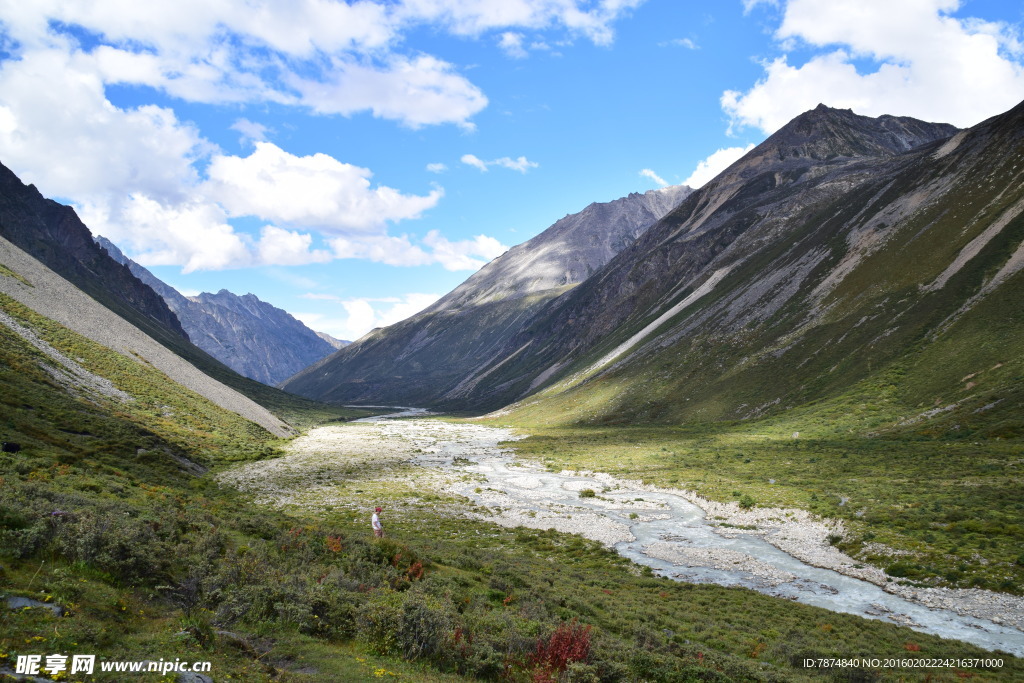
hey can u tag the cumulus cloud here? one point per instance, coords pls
(155, 184)
(281, 247)
(70, 141)
(420, 91)
(437, 167)
(357, 316)
(331, 57)
(194, 235)
(648, 173)
(393, 251)
(521, 164)
(925, 63)
(313, 191)
(715, 164)
(470, 254)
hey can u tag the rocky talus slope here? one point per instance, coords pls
(34, 285)
(53, 234)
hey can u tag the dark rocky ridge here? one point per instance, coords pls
(53, 233)
(248, 335)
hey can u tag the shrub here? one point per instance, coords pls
(413, 626)
(588, 493)
(569, 642)
(746, 502)
(113, 541)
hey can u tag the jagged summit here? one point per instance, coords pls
(825, 133)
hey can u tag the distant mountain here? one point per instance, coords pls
(333, 341)
(432, 353)
(53, 234)
(248, 335)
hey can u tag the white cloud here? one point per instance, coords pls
(648, 173)
(332, 57)
(393, 251)
(360, 315)
(152, 181)
(715, 164)
(194, 235)
(511, 44)
(521, 164)
(250, 130)
(464, 254)
(437, 168)
(928, 64)
(70, 141)
(473, 17)
(749, 5)
(471, 254)
(315, 191)
(474, 161)
(281, 247)
(420, 91)
(680, 42)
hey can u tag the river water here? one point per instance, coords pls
(662, 530)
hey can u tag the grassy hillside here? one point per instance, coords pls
(104, 514)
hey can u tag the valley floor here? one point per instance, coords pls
(460, 470)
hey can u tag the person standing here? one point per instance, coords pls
(378, 528)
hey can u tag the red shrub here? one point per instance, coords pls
(570, 642)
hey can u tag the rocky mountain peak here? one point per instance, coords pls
(825, 133)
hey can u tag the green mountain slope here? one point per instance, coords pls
(781, 292)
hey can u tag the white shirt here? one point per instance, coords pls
(375, 521)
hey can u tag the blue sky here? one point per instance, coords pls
(351, 162)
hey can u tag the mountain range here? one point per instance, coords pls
(841, 247)
(432, 353)
(250, 336)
